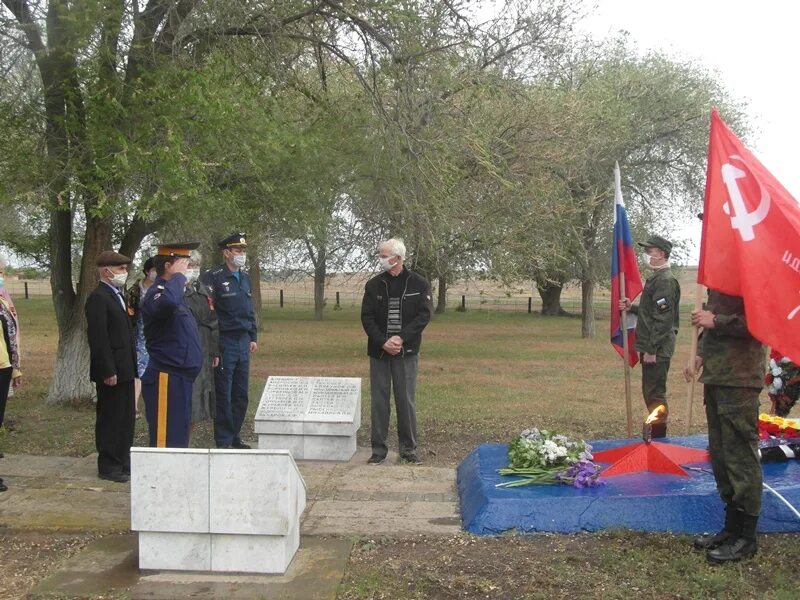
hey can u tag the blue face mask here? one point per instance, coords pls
(2, 281)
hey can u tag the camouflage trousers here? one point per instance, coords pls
(654, 384)
(654, 391)
(732, 414)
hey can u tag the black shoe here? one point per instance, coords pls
(376, 459)
(116, 477)
(712, 540)
(411, 457)
(743, 545)
(733, 550)
(732, 528)
(3, 486)
(223, 446)
(240, 446)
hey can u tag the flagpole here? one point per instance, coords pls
(626, 357)
(698, 304)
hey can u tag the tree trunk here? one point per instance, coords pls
(255, 282)
(70, 382)
(587, 308)
(441, 301)
(320, 272)
(550, 293)
(136, 232)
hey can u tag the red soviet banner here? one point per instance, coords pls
(751, 240)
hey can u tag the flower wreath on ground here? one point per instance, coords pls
(545, 458)
(783, 383)
(778, 438)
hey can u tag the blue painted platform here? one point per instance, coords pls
(641, 501)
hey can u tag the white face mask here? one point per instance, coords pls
(239, 260)
(646, 258)
(192, 275)
(119, 279)
(151, 276)
(385, 263)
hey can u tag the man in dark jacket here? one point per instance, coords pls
(733, 374)
(395, 309)
(112, 367)
(176, 353)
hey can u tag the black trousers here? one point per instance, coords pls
(5, 381)
(113, 429)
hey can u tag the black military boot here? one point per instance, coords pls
(659, 430)
(732, 527)
(736, 548)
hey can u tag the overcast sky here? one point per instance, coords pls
(754, 46)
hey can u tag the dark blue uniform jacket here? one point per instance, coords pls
(233, 302)
(170, 329)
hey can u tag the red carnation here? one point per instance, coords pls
(768, 378)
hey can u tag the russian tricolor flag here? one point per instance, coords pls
(623, 261)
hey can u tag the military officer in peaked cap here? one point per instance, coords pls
(176, 354)
(656, 326)
(112, 367)
(232, 296)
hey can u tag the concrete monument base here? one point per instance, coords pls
(216, 510)
(315, 418)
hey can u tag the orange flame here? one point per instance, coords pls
(656, 414)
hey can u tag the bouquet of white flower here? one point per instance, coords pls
(543, 457)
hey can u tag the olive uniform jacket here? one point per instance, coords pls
(657, 314)
(731, 355)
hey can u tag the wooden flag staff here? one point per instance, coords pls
(698, 304)
(626, 356)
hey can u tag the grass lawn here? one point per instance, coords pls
(484, 376)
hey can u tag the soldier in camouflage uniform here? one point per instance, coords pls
(733, 369)
(656, 327)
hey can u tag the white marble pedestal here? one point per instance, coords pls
(216, 510)
(315, 418)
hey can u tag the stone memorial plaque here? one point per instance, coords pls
(314, 418)
(333, 399)
(316, 399)
(285, 399)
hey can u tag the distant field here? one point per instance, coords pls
(478, 293)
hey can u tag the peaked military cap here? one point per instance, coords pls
(236, 239)
(109, 258)
(177, 249)
(656, 241)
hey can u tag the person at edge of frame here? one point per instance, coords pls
(732, 363)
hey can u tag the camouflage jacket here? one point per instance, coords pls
(657, 322)
(731, 356)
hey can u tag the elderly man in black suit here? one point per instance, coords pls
(113, 367)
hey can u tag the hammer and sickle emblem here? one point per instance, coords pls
(736, 209)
